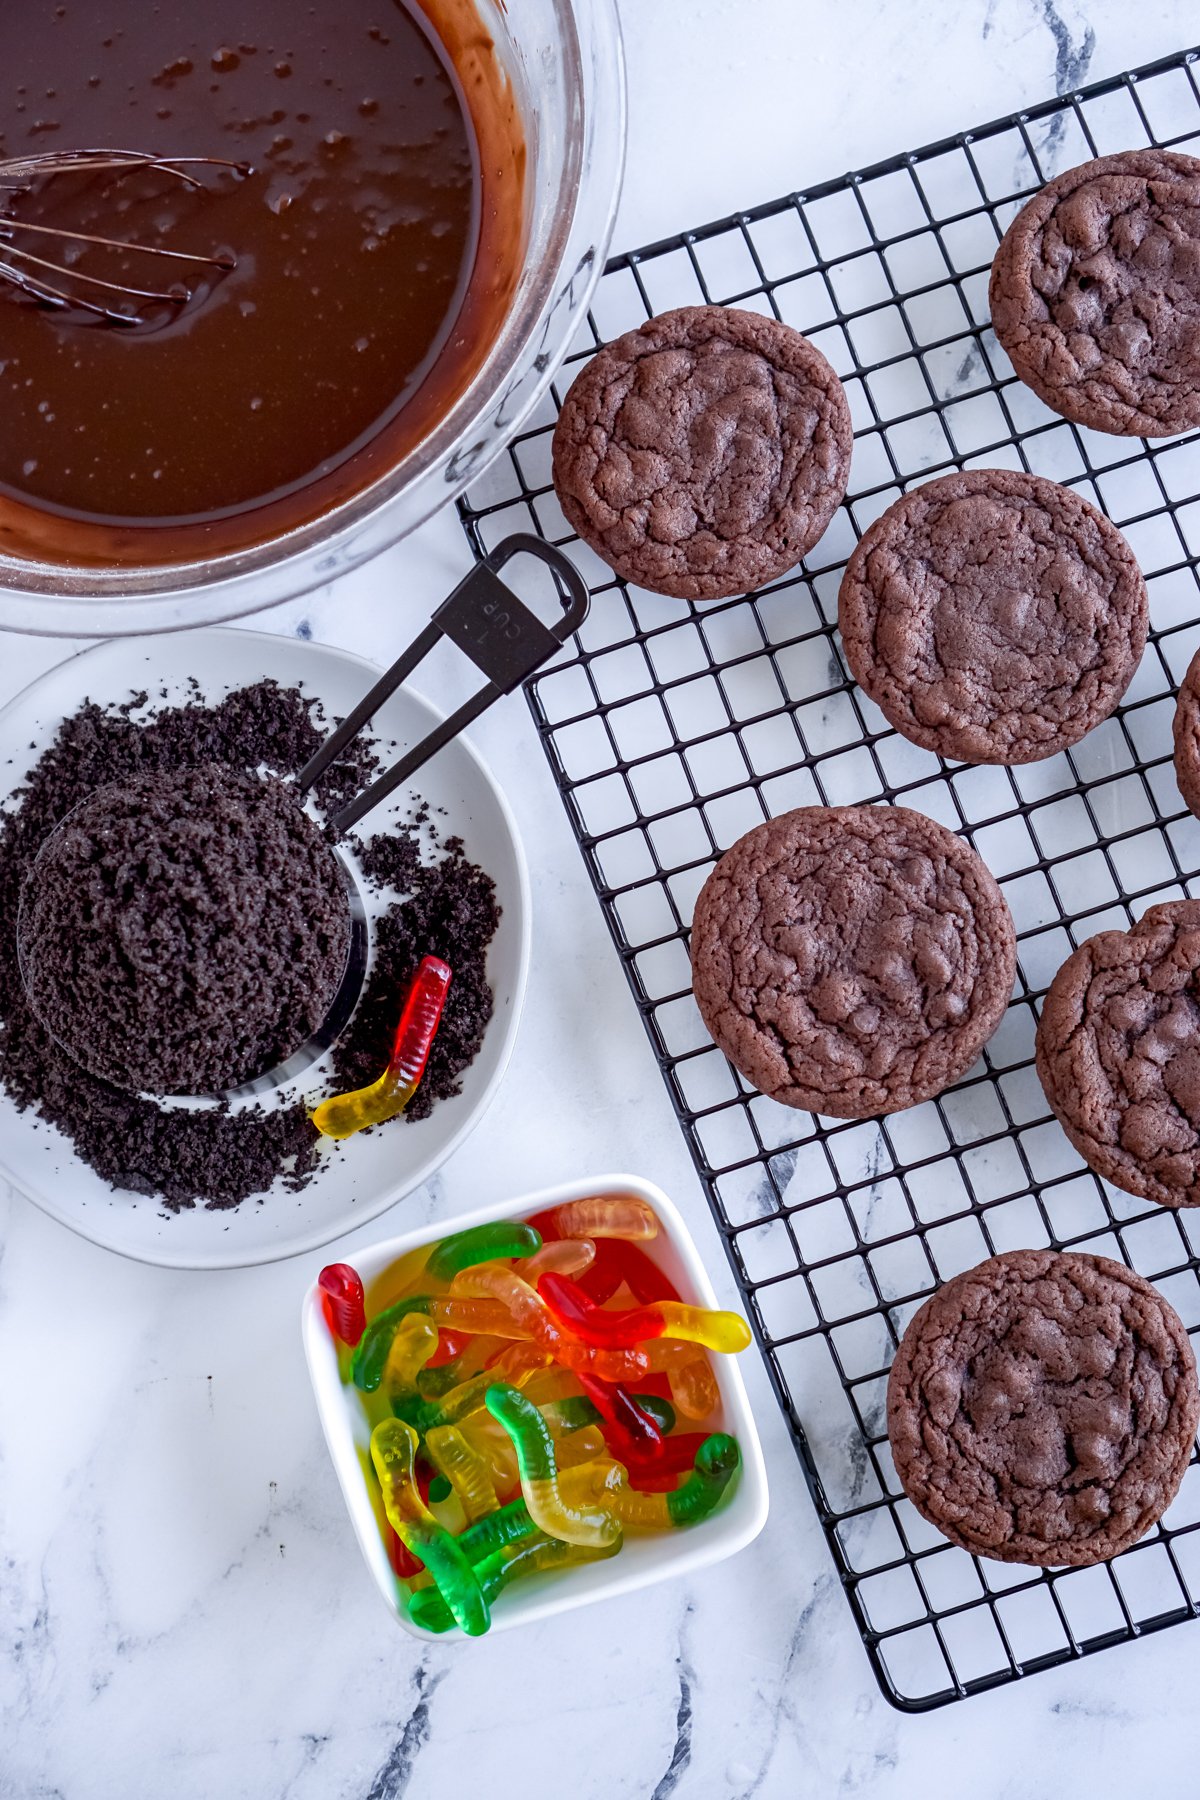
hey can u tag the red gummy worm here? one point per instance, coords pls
(419, 1021)
(345, 1303)
(449, 1345)
(655, 1383)
(677, 1457)
(547, 1223)
(616, 1261)
(649, 1482)
(629, 1432)
(590, 1323)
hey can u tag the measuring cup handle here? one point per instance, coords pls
(493, 626)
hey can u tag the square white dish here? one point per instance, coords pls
(642, 1561)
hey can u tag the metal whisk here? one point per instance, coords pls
(59, 283)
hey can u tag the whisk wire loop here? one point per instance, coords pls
(22, 267)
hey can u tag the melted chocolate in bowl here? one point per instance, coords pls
(377, 239)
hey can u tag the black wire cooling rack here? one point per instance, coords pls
(671, 729)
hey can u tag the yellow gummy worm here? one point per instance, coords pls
(495, 1448)
(465, 1470)
(725, 1332)
(605, 1482)
(343, 1114)
(578, 1447)
(413, 1345)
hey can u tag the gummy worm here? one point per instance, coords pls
(717, 1462)
(393, 1452)
(619, 1260)
(345, 1306)
(465, 1470)
(630, 1431)
(344, 1114)
(600, 1216)
(725, 1332)
(566, 1256)
(530, 1313)
(693, 1385)
(476, 1317)
(427, 1608)
(370, 1359)
(482, 1243)
(595, 1528)
(412, 1345)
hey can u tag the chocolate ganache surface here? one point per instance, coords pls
(372, 258)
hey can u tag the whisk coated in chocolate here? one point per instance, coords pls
(62, 283)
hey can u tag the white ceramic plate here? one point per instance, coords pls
(642, 1561)
(370, 1172)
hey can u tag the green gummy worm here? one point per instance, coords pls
(717, 1462)
(482, 1243)
(370, 1358)
(507, 1525)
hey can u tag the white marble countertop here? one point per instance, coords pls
(183, 1610)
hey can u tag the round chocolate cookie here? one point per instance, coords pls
(1187, 736)
(993, 616)
(1118, 1053)
(704, 453)
(181, 933)
(852, 960)
(1095, 293)
(1042, 1408)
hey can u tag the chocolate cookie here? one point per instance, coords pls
(183, 932)
(1118, 1053)
(1042, 1408)
(1187, 736)
(852, 960)
(994, 616)
(1095, 293)
(704, 453)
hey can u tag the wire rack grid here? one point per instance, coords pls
(671, 729)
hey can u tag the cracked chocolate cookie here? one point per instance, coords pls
(852, 960)
(1095, 293)
(704, 453)
(1187, 736)
(1042, 1408)
(1118, 1053)
(995, 617)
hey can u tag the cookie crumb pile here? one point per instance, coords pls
(183, 932)
(439, 903)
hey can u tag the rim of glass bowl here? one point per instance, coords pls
(51, 599)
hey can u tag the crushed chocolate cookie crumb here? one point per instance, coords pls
(182, 933)
(450, 912)
(219, 1158)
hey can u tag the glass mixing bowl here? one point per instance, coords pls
(564, 58)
